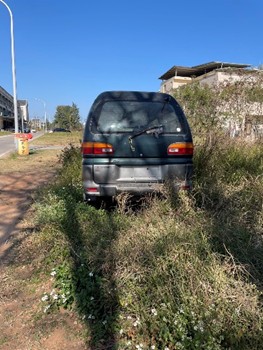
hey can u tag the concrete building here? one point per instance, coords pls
(248, 120)
(6, 110)
(36, 123)
(209, 73)
(7, 121)
(23, 115)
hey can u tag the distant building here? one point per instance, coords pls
(23, 114)
(7, 111)
(208, 73)
(36, 123)
(214, 73)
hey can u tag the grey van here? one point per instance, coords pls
(133, 142)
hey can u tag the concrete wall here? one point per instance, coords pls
(168, 85)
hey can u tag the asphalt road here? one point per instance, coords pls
(7, 143)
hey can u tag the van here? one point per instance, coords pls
(133, 142)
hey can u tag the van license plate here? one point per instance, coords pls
(151, 172)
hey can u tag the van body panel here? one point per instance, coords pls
(135, 130)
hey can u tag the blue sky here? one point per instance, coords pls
(70, 51)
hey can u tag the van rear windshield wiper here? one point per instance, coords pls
(156, 130)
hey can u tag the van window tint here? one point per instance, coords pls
(129, 116)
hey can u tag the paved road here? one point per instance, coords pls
(7, 143)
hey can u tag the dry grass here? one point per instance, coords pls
(59, 139)
(4, 133)
(39, 154)
(40, 159)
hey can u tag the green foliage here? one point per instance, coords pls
(67, 117)
(210, 109)
(199, 103)
(255, 94)
(185, 272)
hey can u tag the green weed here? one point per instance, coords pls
(184, 272)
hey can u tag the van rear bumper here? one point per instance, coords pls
(109, 180)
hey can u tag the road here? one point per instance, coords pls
(7, 143)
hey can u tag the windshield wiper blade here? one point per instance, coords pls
(156, 130)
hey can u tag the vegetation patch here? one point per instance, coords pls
(183, 271)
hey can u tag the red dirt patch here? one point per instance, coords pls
(15, 197)
(23, 325)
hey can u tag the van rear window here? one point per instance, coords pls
(129, 116)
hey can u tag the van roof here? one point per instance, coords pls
(132, 95)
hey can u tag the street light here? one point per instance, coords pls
(45, 116)
(13, 66)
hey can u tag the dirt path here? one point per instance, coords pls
(15, 197)
(23, 325)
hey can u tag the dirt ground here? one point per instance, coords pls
(23, 325)
(15, 197)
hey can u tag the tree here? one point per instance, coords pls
(67, 117)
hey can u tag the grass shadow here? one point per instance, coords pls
(92, 272)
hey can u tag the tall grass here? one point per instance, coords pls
(183, 272)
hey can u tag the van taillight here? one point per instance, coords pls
(180, 149)
(96, 148)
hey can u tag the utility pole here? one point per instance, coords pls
(13, 66)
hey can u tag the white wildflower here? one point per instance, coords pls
(91, 274)
(136, 323)
(45, 297)
(55, 296)
(53, 273)
(139, 346)
(47, 308)
(154, 312)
